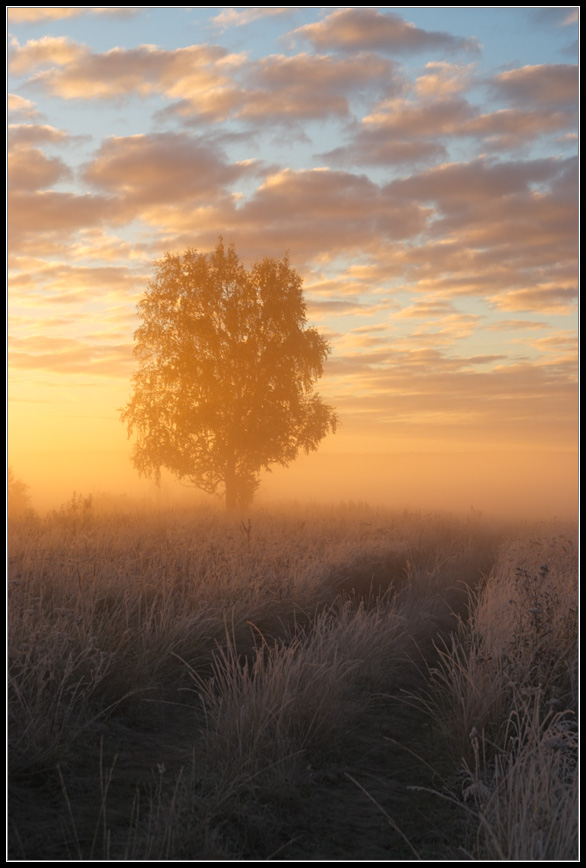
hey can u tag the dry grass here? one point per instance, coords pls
(525, 796)
(291, 695)
(192, 672)
(527, 615)
(504, 691)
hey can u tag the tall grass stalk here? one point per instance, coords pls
(526, 794)
(502, 692)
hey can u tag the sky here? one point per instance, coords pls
(418, 165)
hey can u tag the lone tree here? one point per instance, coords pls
(224, 386)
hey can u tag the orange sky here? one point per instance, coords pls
(420, 168)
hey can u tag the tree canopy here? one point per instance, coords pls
(226, 369)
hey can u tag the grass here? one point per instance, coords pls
(526, 794)
(503, 691)
(183, 685)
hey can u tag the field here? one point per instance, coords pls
(314, 683)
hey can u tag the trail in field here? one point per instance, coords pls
(367, 799)
(374, 804)
(359, 802)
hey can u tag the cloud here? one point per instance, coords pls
(550, 84)
(460, 186)
(116, 11)
(510, 128)
(487, 228)
(363, 29)
(542, 299)
(410, 131)
(204, 80)
(470, 397)
(502, 232)
(315, 214)
(416, 130)
(516, 325)
(559, 16)
(443, 80)
(64, 283)
(48, 217)
(200, 74)
(30, 169)
(232, 18)
(342, 285)
(161, 167)
(323, 212)
(34, 14)
(37, 14)
(70, 356)
(19, 105)
(375, 147)
(308, 86)
(333, 307)
(95, 243)
(426, 310)
(401, 131)
(47, 51)
(559, 347)
(34, 134)
(409, 119)
(445, 330)
(573, 17)
(29, 173)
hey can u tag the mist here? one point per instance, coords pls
(503, 485)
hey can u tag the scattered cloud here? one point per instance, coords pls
(332, 307)
(409, 119)
(71, 356)
(48, 51)
(548, 83)
(200, 74)
(30, 169)
(458, 186)
(364, 29)
(559, 16)
(117, 11)
(41, 14)
(508, 129)
(517, 324)
(34, 134)
(446, 330)
(233, 18)
(426, 310)
(375, 147)
(319, 213)
(561, 346)
(204, 80)
(308, 86)
(541, 299)
(161, 167)
(61, 281)
(409, 389)
(36, 14)
(415, 131)
(443, 80)
(48, 217)
(95, 243)
(19, 105)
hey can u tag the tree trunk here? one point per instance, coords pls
(232, 505)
